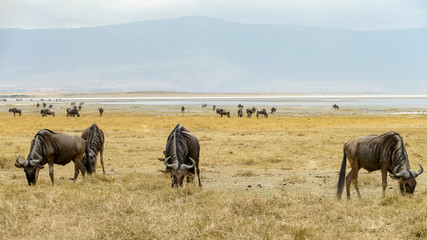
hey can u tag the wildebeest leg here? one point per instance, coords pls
(101, 152)
(384, 180)
(198, 174)
(51, 172)
(356, 183)
(348, 182)
(78, 165)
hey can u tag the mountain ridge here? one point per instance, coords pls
(205, 54)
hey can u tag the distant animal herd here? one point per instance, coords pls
(71, 112)
(384, 152)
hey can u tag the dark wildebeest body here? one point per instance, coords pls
(73, 112)
(45, 112)
(204, 105)
(182, 109)
(240, 106)
(273, 110)
(336, 107)
(182, 155)
(44, 105)
(15, 111)
(222, 112)
(53, 148)
(94, 137)
(262, 112)
(101, 111)
(38, 104)
(240, 112)
(214, 107)
(386, 153)
(250, 111)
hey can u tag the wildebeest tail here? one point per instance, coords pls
(86, 160)
(341, 178)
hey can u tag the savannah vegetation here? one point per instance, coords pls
(270, 178)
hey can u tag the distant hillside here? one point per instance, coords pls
(208, 55)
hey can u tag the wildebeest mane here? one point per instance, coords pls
(179, 145)
(390, 146)
(94, 142)
(177, 150)
(39, 144)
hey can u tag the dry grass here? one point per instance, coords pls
(291, 164)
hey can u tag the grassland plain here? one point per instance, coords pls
(269, 178)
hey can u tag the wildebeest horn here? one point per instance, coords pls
(185, 166)
(21, 163)
(170, 165)
(34, 162)
(404, 174)
(415, 173)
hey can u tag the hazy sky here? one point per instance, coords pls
(347, 14)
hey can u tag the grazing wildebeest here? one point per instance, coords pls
(44, 112)
(73, 103)
(386, 153)
(336, 107)
(44, 105)
(182, 109)
(273, 110)
(15, 111)
(182, 155)
(204, 105)
(73, 112)
(222, 112)
(38, 104)
(50, 106)
(250, 111)
(80, 107)
(262, 112)
(94, 137)
(101, 111)
(214, 107)
(240, 112)
(53, 148)
(240, 106)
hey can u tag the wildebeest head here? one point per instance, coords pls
(31, 169)
(406, 179)
(178, 172)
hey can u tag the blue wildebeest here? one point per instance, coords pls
(222, 112)
(386, 153)
(262, 112)
(182, 156)
(94, 137)
(182, 109)
(73, 112)
(273, 110)
(44, 112)
(336, 107)
(204, 105)
(240, 112)
(53, 148)
(250, 111)
(15, 111)
(101, 111)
